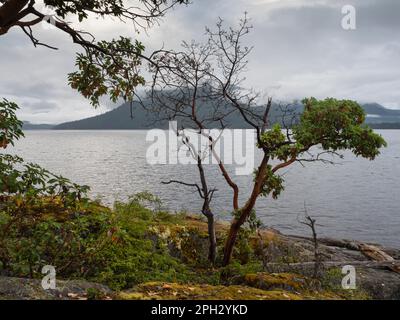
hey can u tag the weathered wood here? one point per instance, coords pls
(395, 264)
(375, 253)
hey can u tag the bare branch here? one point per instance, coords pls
(195, 185)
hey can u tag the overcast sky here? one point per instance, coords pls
(300, 50)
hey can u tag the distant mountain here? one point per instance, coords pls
(116, 119)
(30, 126)
(375, 108)
(120, 119)
(379, 114)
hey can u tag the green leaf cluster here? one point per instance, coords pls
(337, 125)
(112, 70)
(10, 126)
(273, 184)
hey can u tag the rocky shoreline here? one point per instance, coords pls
(288, 263)
(376, 275)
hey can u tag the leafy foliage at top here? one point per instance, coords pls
(331, 125)
(338, 125)
(104, 67)
(111, 71)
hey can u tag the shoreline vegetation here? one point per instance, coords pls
(137, 251)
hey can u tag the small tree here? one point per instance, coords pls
(216, 67)
(205, 192)
(178, 94)
(312, 224)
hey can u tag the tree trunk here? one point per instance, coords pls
(212, 252)
(234, 230)
(206, 210)
(245, 212)
(230, 242)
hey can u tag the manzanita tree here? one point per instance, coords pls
(204, 85)
(326, 127)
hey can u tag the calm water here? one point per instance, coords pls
(357, 199)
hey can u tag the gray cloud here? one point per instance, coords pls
(300, 50)
(41, 107)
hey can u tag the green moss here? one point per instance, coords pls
(235, 272)
(266, 281)
(173, 291)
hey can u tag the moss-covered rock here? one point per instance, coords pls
(31, 289)
(172, 291)
(284, 281)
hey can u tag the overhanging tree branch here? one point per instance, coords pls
(105, 67)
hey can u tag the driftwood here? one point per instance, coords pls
(383, 265)
(374, 253)
(379, 255)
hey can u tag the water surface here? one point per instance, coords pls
(357, 199)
